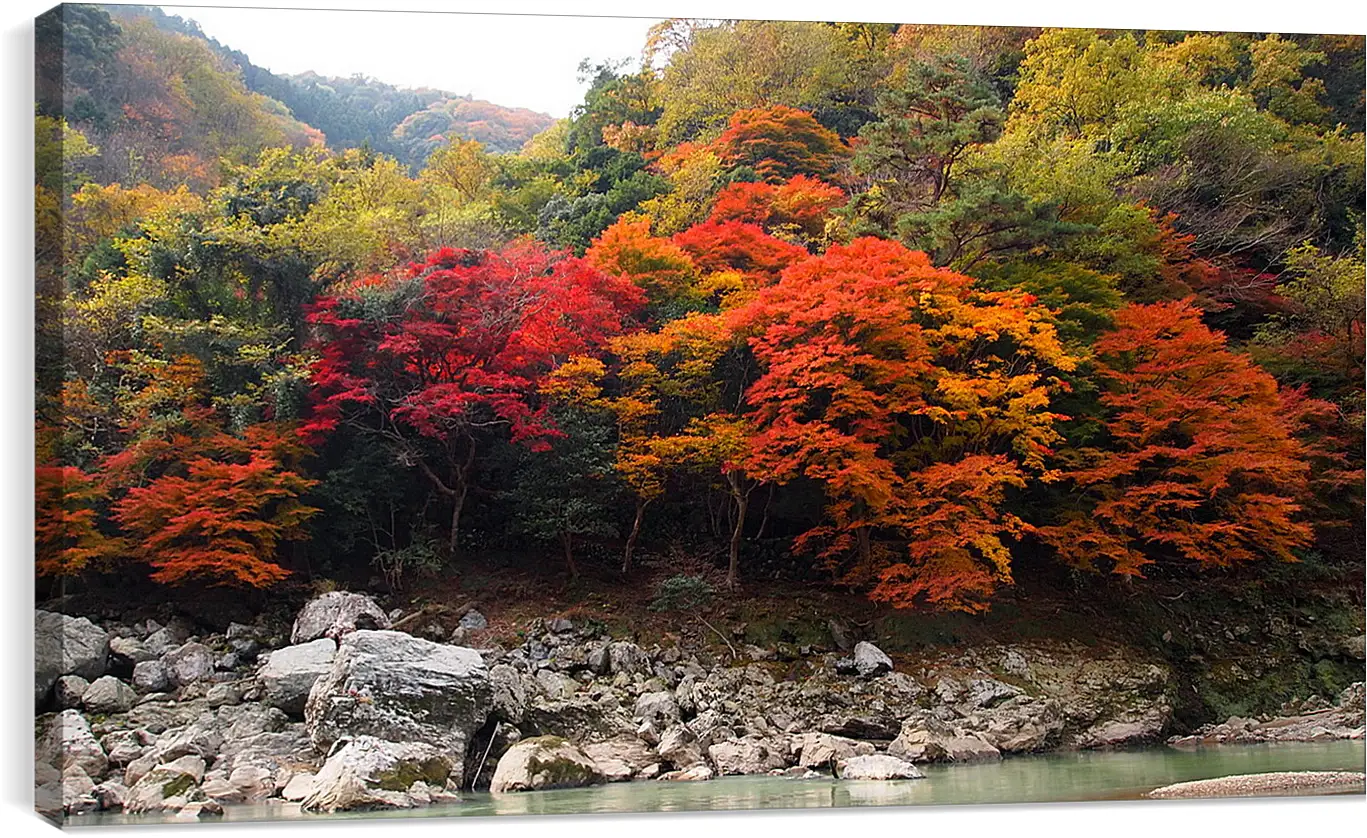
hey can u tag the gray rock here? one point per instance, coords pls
(658, 708)
(242, 721)
(240, 631)
(262, 763)
(627, 658)
(1020, 725)
(223, 695)
(869, 660)
(129, 650)
(369, 773)
(679, 747)
(200, 739)
(78, 792)
(299, 787)
(748, 756)
(68, 691)
(163, 640)
(222, 791)
(289, 673)
(188, 764)
(167, 787)
(64, 645)
(580, 718)
(473, 620)
(970, 749)
(110, 795)
(927, 740)
(822, 750)
(509, 692)
(400, 688)
(840, 635)
(151, 677)
(109, 695)
(621, 758)
(555, 685)
(199, 809)
(544, 762)
(599, 659)
(335, 615)
(124, 746)
(984, 692)
(700, 772)
(1117, 733)
(188, 663)
(877, 767)
(559, 625)
(949, 690)
(70, 742)
(252, 782)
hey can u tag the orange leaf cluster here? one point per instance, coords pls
(803, 203)
(916, 400)
(1201, 461)
(780, 142)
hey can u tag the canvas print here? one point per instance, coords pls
(685, 414)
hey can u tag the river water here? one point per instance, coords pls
(1087, 775)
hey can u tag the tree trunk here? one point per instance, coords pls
(457, 502)
(461, 474)
(764, 519)
(742, 500)
(865, 546)
(631, 539)
(565, 541)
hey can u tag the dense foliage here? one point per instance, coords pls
(921, 308)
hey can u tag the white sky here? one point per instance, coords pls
(512, 60)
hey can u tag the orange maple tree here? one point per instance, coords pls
(657, 266)
(780, 142)
(917, 401)
(1201, 461)
(802, 204)
(67, 535)
(221, 507)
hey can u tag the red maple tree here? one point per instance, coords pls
(718, 246)
(455, 349)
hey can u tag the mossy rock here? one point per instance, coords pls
(177, 786)
(544, 762)
(434, 772)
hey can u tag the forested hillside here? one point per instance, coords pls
(910, 309)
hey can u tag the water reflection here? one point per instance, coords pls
(1048, 778)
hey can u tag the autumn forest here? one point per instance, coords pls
(918, 310)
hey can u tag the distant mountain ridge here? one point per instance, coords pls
(406, 123)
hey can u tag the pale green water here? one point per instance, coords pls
(1048, 778)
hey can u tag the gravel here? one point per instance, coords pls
(1280, 782)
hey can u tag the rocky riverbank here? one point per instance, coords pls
(343, 711)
